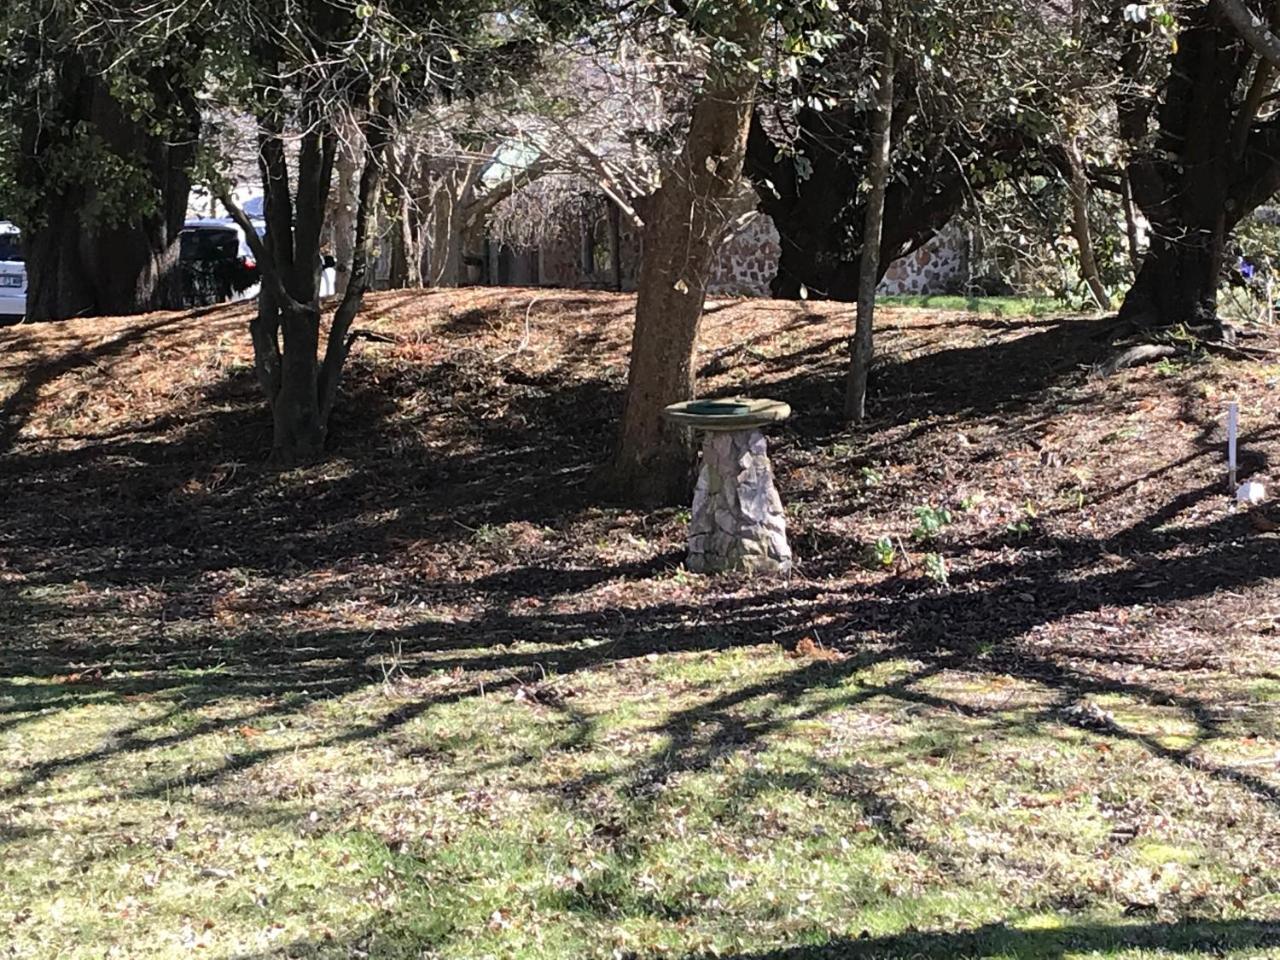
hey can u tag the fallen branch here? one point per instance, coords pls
(355, 335)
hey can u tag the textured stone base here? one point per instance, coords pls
(738, 523)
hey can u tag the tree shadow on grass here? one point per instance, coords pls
(1216, 937)
(163, 507)
(995, 940)
(937, 629)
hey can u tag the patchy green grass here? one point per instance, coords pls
(992, 306)
(686, 804)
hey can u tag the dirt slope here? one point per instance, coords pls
(131, 458)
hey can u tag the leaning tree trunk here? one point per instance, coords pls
(1078, 189)
(855, 401)
(123, 258)
(653, 461)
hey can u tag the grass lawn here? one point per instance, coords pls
(430, 698)
(993, 306)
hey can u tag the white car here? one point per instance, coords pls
(218, 264)
(13, 275)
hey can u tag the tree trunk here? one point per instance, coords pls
(91, 250)
(1212, 162)
(406, 250)
(286, 330)
(444, 253)
(1177, 282)
(1130, 220)
(342, 212)
(817, 200)
(615, 246)
(861, 349)
(299, 430)
(653, 460)
(1078, 189)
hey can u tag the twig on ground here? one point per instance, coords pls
(370, 335)
(524, 340)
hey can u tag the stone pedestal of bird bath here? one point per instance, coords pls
(737, 521)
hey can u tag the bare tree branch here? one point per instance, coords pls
(1253, 28)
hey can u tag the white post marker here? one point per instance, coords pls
(1233, 427)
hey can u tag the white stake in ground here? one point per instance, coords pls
(1233, 427)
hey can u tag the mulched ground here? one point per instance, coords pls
(1092, 544)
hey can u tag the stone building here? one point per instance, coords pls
(604, 253)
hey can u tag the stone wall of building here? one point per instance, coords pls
(938, 267)
(744, 266)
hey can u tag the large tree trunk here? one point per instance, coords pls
(861, 348)
(1177, 282)
(445, 250)
(92, 250)
(406, 247)
(653, 460)
(818, 204)
(299, 430)
(1212, 163)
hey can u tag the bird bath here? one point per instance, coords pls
(737, 521)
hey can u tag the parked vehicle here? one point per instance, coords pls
(218, 264)
(13, 275)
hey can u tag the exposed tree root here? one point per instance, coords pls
(1135, 356)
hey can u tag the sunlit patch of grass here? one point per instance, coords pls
(994, 306)
(676, 804)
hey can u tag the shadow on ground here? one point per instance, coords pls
(119, 548)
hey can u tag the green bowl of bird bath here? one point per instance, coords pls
(718, 408)
(729, 413)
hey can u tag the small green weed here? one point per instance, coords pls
(881, 553)
(935, 567)
(929, 523)
(1019, 528)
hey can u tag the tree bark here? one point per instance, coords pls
(1254, 28)
(1078, 190)
(1177, 282)
(300, 388)
(818, 206)
(342, 213)
(445, 253)
(861, 348)
(1130, 220)
(1211, 164)
(90, 250)
(652, 463)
